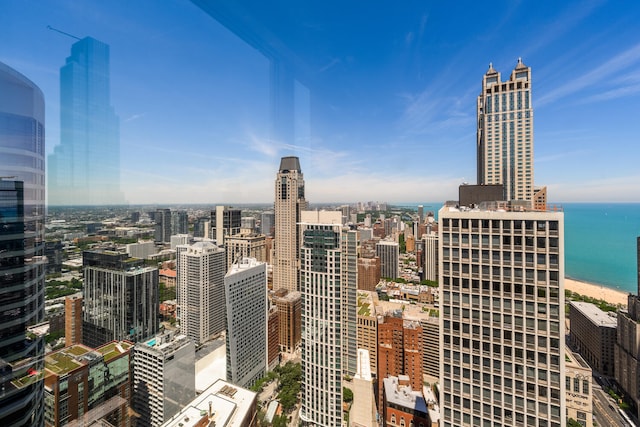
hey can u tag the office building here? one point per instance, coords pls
(246, 245)
(221, 405)
(225, 221)
(501, 317)
(430, 249)
(289, 202)
(402, 405)
(579, 386)
(53, 250)
(72, 320)
(627, 349)
(267, 221)
(179, 222)
(163, 226)
(289, 305)
(593, 335)
(201, 301)
(505, 133)
(84, 169)
(246, 297)
(120, 298)
(389, 254)
(84, 386)
(22, 262)
(321, 285)
(164, 379)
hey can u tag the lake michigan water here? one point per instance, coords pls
(600, 242)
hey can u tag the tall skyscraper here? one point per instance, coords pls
(84, 168)
(246, 298)
(505, 133)
(120, 298)
(201, 302)
(22, 262)
(502, 317)
(162, 232)
(322, 290)
(288, 204)
(349, 305)
(430, 249)
(179, 222)
(164, 377)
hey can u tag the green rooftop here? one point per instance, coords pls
(109, 351)
(62, 362)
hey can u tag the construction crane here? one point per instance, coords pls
(62, 32)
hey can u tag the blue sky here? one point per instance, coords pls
(386, 107)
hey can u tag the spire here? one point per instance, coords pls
(520, 65)
(491, 70)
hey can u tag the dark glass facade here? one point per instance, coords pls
(22, 261)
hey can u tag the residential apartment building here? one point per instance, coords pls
(201, 302)
(246, 245)
(120, 298)
(164, 379)
(72, 320)
(322, 324)
(247, 343)
(389, 254)
(593, 335)
(289, 306)
(579, 386)
(501, 317)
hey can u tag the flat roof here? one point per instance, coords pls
(228, 404)
(403, 395)
(595, 315)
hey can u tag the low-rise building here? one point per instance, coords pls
(402, 406)
(578, 377)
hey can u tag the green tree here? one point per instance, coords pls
(573, 423)
(347, 395)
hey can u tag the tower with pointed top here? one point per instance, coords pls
(505, 132)
(289, 202)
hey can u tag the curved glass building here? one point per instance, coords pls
(22, 264)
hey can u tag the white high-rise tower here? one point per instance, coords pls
(201, 300)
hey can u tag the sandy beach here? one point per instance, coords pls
(596, 291)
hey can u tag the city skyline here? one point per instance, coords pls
(381, 115)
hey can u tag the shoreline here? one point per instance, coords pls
(593, 290)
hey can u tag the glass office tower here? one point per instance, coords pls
(22, 265)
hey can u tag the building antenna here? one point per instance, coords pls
(62, 32)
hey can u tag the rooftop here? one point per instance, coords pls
(223, 404)
(403, 395)
(595, 315)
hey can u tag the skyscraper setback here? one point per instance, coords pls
(85, 167)
(505, 132)
(289, 202)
